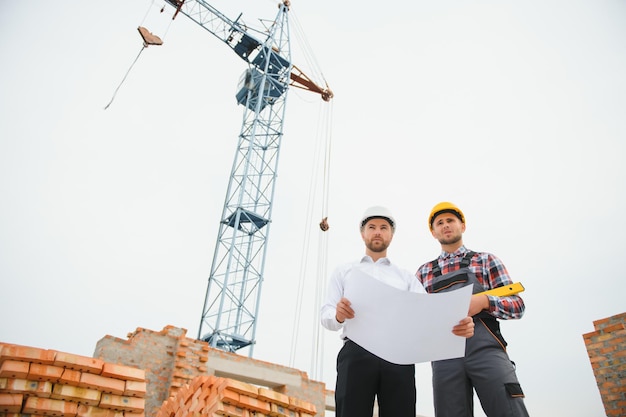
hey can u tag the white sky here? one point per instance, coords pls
(512, 110)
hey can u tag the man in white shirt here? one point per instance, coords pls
(362, 376)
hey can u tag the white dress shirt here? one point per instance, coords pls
(383, 270)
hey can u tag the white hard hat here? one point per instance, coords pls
(377, 212)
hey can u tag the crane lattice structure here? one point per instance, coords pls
(231, 304)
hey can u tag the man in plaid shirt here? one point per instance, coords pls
(486, 366)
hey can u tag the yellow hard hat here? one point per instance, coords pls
(444, 207)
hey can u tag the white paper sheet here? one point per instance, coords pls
(403, 327)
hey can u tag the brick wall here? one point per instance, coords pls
(606, 347)
(171, 361)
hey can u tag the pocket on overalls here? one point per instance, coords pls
(514, 389)
(494, 328)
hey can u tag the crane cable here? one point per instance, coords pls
(148, 39)
(322, 151)
(322, 266)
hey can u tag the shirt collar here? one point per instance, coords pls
(460, 252)
(368, 259)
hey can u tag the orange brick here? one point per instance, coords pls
(90, 411)
(177, 383)
(208, 397)
(302, 406)
(18, 415)
(19, 386)
(14, 369)
(211, 381)
(11, 403)
(273, 396)
(228, 410)
(49, 407)
(181, 375)
(120, 403)
(194, 403)
(41, 372)
(127, 373)
(240, 387)
(254, 404)
(26, 354)
(102, 383)
(277, 410)
(70, 377)
(135, 388)
(229, 396)
(76, 394)
(78, 362)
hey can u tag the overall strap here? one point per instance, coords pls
(435, 266)
(467, 259)
(465, 262)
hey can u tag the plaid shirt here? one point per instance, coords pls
(490, 272)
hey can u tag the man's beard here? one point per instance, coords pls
(380, 246)
(451, 240)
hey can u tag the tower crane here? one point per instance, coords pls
(231, 304)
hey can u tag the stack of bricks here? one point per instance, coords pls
(218, 397)
(606, 348)
(40, 382)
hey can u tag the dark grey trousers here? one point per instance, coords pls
(485, 368)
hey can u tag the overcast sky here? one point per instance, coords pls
(512, 110)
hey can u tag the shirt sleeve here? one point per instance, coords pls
(415, 285)
(505, 308)
(334, 293)
(424, 276)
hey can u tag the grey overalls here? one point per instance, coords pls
(486, 366)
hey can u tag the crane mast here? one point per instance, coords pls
(231, 303)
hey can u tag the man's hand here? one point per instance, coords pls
(478, 303)
(465, 328)
(344, 311)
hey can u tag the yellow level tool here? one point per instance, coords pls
(505, 290)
